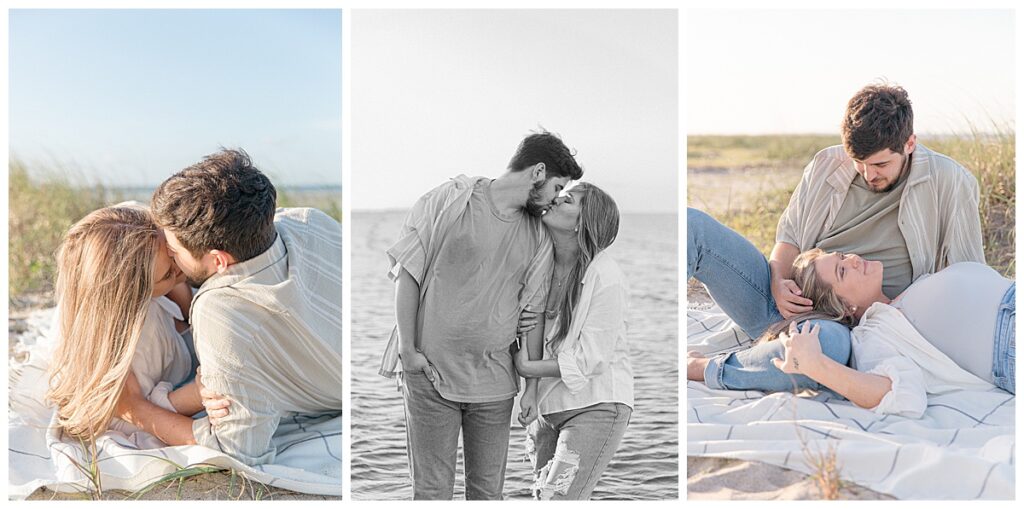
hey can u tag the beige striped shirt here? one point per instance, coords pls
(268, 335)
(938, 215)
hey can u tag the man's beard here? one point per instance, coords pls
(196, 280)
(535, 206)
(905, 167)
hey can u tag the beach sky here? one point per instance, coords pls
(126, 97)
(437, 93)
(792, 71)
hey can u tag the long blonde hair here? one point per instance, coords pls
(104, 285)
(596, 230)
(827, 304)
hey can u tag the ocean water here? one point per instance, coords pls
(646, 465)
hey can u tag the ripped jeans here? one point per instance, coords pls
(569, 450)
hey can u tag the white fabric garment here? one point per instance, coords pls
(960, 449)
(594, 356)
(885, 343)
(308, 448)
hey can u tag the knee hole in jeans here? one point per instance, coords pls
(557, 476)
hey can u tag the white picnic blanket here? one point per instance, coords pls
(308, 447)
(962, 448)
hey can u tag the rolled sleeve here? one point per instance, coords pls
(247, 431)
(907, 397)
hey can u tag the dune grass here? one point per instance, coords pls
(46, 200)
(989, 156)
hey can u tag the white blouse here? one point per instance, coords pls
(162, 355)
(594, 357)
(885, 343)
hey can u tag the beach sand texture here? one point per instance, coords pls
(646, 465)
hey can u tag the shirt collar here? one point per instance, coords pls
(242, 270)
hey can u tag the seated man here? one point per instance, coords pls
(880, 195)
(267, 315)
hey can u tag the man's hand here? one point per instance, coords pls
(803, 349)
(527, 322)
(415, 361)
(788, 298)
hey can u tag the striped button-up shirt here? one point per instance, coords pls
(268, 335)
(938, 214)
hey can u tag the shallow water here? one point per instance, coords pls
(646, 465)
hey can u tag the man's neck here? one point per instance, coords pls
(511, 191)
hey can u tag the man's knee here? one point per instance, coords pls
(835, 340)
(697, 221)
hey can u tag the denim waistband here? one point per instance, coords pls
(1004, 351)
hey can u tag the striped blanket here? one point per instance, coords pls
(309, 448)
(963, 447)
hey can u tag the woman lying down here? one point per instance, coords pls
(947, 331)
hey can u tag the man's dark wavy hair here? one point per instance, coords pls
(878, 117)
(222, 202)
(547, 148)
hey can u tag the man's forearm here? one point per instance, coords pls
(407, 304)
(169, 427)
(781, 260)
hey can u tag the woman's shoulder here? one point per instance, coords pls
(604, 268)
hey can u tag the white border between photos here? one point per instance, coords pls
(346, 6)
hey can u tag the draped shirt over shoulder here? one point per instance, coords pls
(268, 335)
(594, 356)
(938, 211)
(427, 230)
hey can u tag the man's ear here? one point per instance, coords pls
(221, 260)
(911, 144)
(538, 173)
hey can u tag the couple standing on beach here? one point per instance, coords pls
(498, 279)
(213, 273)
(882, 235)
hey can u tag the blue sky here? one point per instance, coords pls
(792, 71)
(127, 97)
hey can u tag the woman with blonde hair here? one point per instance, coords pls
(121, 318)
(585, 392)
(947, 331)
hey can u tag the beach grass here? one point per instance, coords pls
(987, 155)
(44, 201)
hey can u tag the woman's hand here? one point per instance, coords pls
(528, 407)
(527, 322)
(216, 405)
(803, 350)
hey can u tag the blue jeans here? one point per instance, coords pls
(432, 430)
(1005, 351)
(737, 276)
(569, 450)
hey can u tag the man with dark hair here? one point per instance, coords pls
(472, 255)
(880, 195)
(266, 317)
